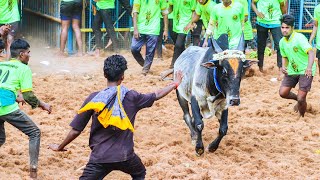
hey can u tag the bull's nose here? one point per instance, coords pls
(235, 102)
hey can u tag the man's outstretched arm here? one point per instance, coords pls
(174, 85)
(73, 134)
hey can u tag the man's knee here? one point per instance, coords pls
(283, 94)
(35, 133)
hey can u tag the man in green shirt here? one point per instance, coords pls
(182, 14)
(70, 11)
(316, 32)
(204, 9)
(228, 18)
(297, 64)
(248, 35)
(15, 76)
(104, 15)
(268, 15)
(146, 24)
(9, 14)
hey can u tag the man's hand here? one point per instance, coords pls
(5, 29)
(260, 15)
(205, 43)
(284, 70)
(308, 72)
(45, 106)
(178, 77)
(20, 99)
(165, 35)
(136, 33)
(55, 147)
(189, 26)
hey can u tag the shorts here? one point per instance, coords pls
(292, 81)
(14, 28)
(70, 10)
(318, 54)
(197, 31)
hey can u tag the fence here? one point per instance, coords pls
(41, 20)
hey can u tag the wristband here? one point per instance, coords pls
(175, 85)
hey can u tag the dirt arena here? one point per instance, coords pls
(265, 140)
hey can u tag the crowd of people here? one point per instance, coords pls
(113, 109)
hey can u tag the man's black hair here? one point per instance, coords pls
(18, 46)
(114, 67)
(287, 19)
(1, 44)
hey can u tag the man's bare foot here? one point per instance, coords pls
(109, 44)
(97, 53)
(79, 54)
(166, 73)
(33, 173)
(261, 69)
(295, 108)
(280, 75)
(62, 54)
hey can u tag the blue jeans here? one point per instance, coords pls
(151, 44)
(22, 122)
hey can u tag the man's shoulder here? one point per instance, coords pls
(299, 35)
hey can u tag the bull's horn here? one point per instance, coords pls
(241, 43)
(216, 46)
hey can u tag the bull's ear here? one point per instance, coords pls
(210, 64)
(248, 63)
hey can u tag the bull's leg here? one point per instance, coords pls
(222, 131)
(187, 117)
(198, 125)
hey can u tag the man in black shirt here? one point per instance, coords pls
(112, 145)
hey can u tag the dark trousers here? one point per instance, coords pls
(136, 45)
(196, 33)
(179, 40)
(22, 122)
(97, 171)
(104, 15)
(262, 36)
(159, 45)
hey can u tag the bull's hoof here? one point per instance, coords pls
(211, 149)
(199, 151)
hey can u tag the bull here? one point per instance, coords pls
(210, 85)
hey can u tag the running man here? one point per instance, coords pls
(316, 33)
(297, 64)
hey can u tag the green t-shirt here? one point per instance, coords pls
(105, 4)
(271, 11)
(317, 18)
(228, 20)
(9, 11)
(296, 51)
(248, 35)
(149, 15)
(182, 13)
(14, 76)
(204, 11)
